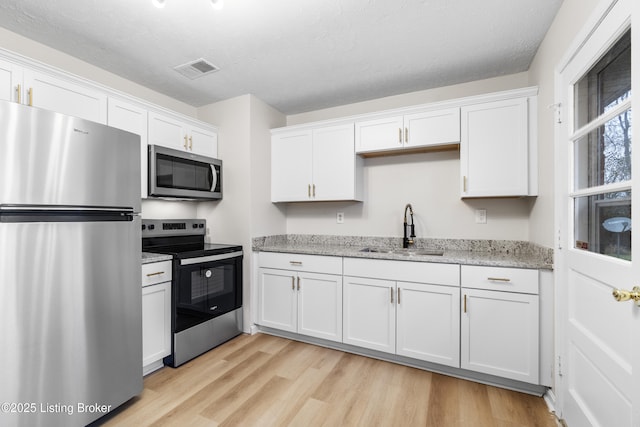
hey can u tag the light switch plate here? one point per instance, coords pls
(481, 216)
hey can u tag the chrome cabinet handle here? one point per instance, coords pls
(293, 283)
(400, 135)
(465, 303)
(391, 293)
(295, 262)
(498, 279)
(298, 282)
(309, 190)
(398, 296)
(406, 135)
(314, 190)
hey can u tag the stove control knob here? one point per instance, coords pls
(195, 226)
(208, 274)
(144, 226)
(151, 226)
(200, 225)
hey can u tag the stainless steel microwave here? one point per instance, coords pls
(182, 175)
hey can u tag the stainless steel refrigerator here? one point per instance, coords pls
(70, 291)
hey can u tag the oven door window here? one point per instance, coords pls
(206, 291)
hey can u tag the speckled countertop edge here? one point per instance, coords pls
(149, 257)
(499, 253)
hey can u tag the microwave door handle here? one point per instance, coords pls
(213, 177)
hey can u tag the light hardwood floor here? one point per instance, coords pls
(262, 380)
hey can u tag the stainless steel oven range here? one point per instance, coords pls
(206, 300)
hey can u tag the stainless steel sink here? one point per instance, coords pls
(419, 252)
(406, 252)
(377, 250)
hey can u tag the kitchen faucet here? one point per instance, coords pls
(406, 241)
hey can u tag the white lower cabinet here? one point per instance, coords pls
(156, 314)
(304, 302)
(500, 322)
(428, 323)
(410, 317)
(370, 313)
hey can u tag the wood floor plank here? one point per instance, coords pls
(263, 381)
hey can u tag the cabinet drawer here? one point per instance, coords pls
(406, 271)
(298, 262)
(500, 279)
(156, 272)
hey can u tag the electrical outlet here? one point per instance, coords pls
(340, 217)
(481, 216)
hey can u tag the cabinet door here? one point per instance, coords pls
(129, 117)
(432, 128)
(428, 319)
(369, 313)
(494, 149)
(10, 82)
(291, 173)
(64, 96)
(277, 299)
(500, 334)
(156, 322)
(334, 163)
(203, 141)
(320, 305)
(167, 132)
(379, 134)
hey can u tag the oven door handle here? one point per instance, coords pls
(209, 258)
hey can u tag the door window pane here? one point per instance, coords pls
(606, 85)
(603, 224)
(604, 155)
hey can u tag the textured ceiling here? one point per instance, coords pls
(296, 55)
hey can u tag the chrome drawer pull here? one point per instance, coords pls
(498, 279)
(295, 262)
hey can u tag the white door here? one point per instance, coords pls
(63, 96)
(277, 299)
(291, 166)
(203, 142)
(334, 163)
(599, 349)
(428, 322)
(380, 134)
(370, 313)
(320, 305)
(10, 82)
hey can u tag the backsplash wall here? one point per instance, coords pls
(431, 183)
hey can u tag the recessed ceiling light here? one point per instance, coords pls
(159, 3)
(217, 4)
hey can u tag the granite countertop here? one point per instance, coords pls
(149, 257)
(498, 253)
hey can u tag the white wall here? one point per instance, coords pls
(569, 21)
(245, 208)
(429, 181)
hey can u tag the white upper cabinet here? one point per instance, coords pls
(315, 164)
(64, 96)
(132, 118)
(10, 81)
(497, 155)
(410, 131)
(291, 163)
(172, 132)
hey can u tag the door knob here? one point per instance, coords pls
(624, 295)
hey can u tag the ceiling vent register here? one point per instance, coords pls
(196, 69)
